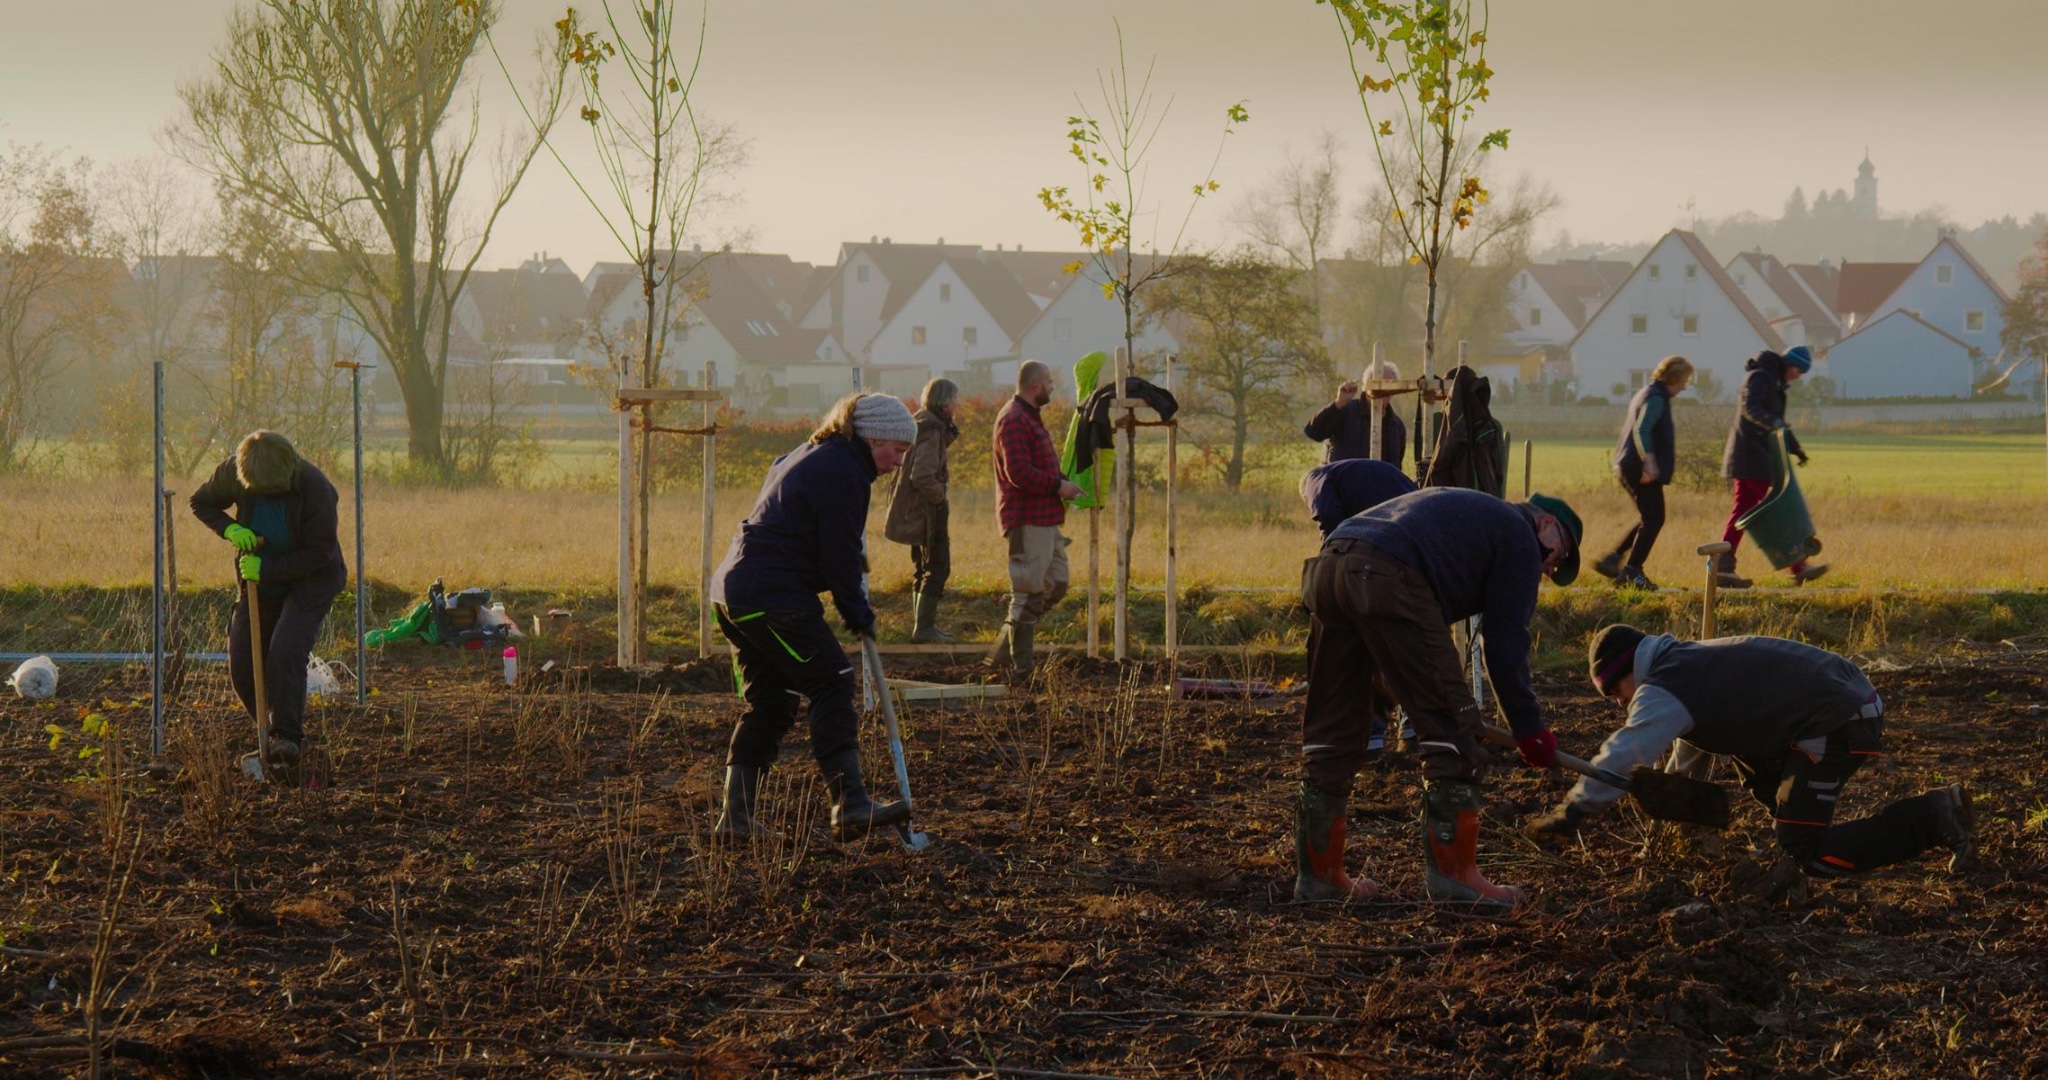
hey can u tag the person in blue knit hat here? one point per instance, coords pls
(1747, 460)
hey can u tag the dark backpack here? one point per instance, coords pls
(1471, 447)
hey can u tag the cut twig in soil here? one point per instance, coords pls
(973, 1070)
(637, 1057)
(1425, 948)
(1210, 1014)
(851, 976)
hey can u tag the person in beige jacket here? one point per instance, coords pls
(918, 511)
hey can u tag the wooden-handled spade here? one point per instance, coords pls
(1664, 796)
(252, 764)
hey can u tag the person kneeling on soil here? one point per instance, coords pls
(803, 537)
(1797, 721)
(284, 529)
(1386, 588)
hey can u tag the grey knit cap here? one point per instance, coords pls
(882, 418)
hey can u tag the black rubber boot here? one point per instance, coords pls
(853, 813)
(1608, 566)
(926, 605)
(736, 818)
(1020, 650)
(1955, 820)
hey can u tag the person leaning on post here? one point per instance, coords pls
(1386, 589)
(1031, 505)
(285, 516)
(803, 537)
(1797, 721)
(919, 513)
(1344, 426)
(1644, 460)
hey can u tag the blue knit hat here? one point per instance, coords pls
(1798, 357)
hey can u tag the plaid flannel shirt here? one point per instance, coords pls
(1027, 469)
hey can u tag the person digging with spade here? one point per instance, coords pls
(804, 537)
(285, 517)
(1797, 721)
(1386, 589)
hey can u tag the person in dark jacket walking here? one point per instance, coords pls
(1747, 460)
(283, 526)
(1344, 426)
(1797, 721)
(805, 536)
(1644, 460)
(918, 511)
(1387, 587)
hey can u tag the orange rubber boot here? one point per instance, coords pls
(1450, 841)
(1319, 850)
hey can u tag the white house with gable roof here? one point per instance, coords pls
(1678, 301)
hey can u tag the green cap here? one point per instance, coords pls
(1568, 570)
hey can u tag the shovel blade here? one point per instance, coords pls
(1670, 797)
(911, 838)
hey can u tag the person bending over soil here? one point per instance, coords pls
(1797, 721)
(1386, 588)
(283, 529)
(804, 537)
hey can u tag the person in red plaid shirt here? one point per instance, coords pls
(1031, 504)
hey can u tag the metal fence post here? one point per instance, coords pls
(156, 594)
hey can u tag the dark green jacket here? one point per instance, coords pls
(312, 507)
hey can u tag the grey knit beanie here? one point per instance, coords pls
(882, 418)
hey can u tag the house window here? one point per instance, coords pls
(917, 335)
(970, 335)
(1062, 329)
(1944, 274)
(1656, 272)
(1690, 326)
(860, 273)
(1638, 325)
(1973, 322)
(945, 292)
(1535, 316)
(1691, 272)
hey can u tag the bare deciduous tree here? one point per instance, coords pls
(347, 118)
(1249, 339)
(1295, 219)
(56, 286)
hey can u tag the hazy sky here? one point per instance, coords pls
(919, 119)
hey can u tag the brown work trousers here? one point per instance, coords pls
(1381, 624)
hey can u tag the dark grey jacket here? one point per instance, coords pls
(1761, 411)
(1346, 432)
(313, 568)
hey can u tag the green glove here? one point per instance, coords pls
(242, 537)
(252, 567)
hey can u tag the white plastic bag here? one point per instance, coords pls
(494, 616)
(35, 679)
(320, 678)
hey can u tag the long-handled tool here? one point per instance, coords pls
(907, 830)
(253, 764)
(1664, 796)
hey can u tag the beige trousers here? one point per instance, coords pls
(1038, 571)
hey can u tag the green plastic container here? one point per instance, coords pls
(1780, 526)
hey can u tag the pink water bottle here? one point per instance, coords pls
(511, 665)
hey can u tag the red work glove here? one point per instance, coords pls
(1539, 749)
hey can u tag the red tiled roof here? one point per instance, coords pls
(1863, 286)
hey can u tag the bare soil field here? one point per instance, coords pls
(498, 882)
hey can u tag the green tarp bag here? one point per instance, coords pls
(417, 623)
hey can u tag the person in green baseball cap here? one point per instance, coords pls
(1388, 585)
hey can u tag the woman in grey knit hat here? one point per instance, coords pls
(804, 537)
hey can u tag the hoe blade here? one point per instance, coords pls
(1670, 797)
